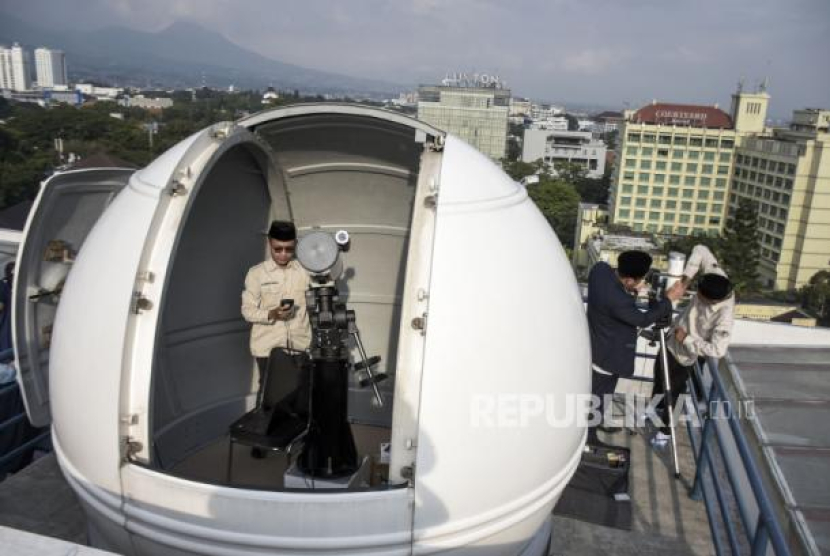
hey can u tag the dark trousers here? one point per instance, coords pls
(678, 379)
(601, 385)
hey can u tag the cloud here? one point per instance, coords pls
(593, 61)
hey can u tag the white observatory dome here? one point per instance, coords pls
(140, 357)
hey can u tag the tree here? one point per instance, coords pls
(517, 169)
(559, 203)
(815, 296)
(739, 248)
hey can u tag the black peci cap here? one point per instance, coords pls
(282, 231)
(714, 287)
(633, 264)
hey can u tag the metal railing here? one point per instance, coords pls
(9, 459)
(722, 445)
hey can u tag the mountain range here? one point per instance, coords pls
(181, 55)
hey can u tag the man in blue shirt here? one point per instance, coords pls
(614, 320)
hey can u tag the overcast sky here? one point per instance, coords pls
(591, 51)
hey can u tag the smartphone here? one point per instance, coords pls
(287, 303)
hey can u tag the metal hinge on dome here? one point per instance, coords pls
(129, 448)
(420, 323)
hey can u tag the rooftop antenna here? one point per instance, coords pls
(741, 83)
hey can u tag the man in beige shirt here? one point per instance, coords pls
(274, 301)
(703, 329)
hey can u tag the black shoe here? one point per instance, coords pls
(257, 453)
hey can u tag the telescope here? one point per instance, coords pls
(329, 450)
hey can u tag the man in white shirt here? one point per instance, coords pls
(274, 301)
(703, 329)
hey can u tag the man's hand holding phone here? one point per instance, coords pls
(284, 312)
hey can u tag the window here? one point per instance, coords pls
(673, 192)
(708, 156)
(782, 167)
(679, 140)
(700, 219)
(624, 201)
(637, 226)
(723, 170)
(703, 194)
(705, 182)
(630, 163)
(718, 195)
(691, 167)
(647, 151)
(648, 138)
(674, 179)
(642, 190)
(723, 157)
(714, 221)
(677, 153)
(686, 206)
(655, 203)
(788, 184)
(689, 180)
(712, 143)
(696, 142)
(701, 207)
(693, 155)
(624, 213)
(634, 137)
(754, 162)
(645, 164)
(717, 208)
(662, 153)
(739, 158)
(779, 228)
(688, 193)
(628, 176)
(727, 143)
(665, 139)
(639, 214)
(762, 164)
(660, 165)
(631, 151)
(684, 218)
(653, 215)
(791, 169)
(640, 202)
(720, 182)
(677, 166)
(659, 178)
(627, 188)
(707, 168)
(657, 191)
(671, 204)
(785, 199)
(644, 176)
(652, 228)
(668, 217)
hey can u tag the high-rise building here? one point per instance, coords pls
(475, 111)
(787, 176)
(15, 68)
(675, 162)
(51, 67)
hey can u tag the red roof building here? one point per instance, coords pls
(683, 115)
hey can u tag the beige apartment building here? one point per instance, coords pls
(788, 176)
(477, 115)
(675, 162)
